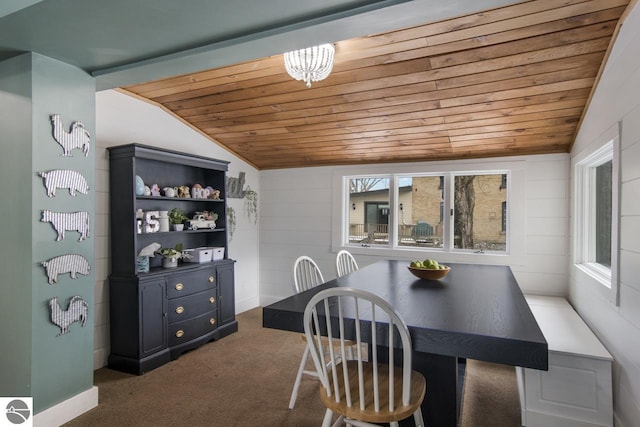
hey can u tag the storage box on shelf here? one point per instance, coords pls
(157, 315)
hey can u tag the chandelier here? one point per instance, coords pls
(311, 64)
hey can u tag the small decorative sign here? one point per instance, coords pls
(72, 263)
(235, 186)
(72, 221)
(61, 178)
(77, 137)
(77, 311)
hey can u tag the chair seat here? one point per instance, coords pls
(418, 390)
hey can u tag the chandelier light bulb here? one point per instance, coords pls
(311, 64)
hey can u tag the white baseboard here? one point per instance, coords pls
(69, 409)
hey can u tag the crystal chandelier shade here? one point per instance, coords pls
(311, 64)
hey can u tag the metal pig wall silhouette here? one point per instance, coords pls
(77, 311)
(77, 137)
(62, 178)
(73, 263)
(72, 221)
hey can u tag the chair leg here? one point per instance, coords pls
(326, 422)
(296, 385)
(417, 417)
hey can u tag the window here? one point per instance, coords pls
(595, 211)
(369, 214)
(478, 213)
(442, 211)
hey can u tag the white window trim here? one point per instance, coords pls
(604, 280)
(516, 220)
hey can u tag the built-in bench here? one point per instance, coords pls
(576, 390)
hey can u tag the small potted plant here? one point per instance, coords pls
(170, 256)
(177, 219)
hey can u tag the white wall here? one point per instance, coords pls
(617, 99)
(299, 209)
(122, 119)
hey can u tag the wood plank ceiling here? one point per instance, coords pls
(508, 81)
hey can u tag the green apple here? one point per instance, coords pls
(416, 264)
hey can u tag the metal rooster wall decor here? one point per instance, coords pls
(77, 311)
(77, 137)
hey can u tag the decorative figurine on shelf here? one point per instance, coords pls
(183, 192)
(155, 190)
(170, 191)
(142, 260)
(215, 194)
(77, 311)
(203, 219)
(139, 186)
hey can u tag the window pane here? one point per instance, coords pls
(603, 214)
(480, 212)
(369, 211)
(421, 211)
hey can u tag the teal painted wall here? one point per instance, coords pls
(60, 366)
(16, 227)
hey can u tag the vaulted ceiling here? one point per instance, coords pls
(506, 81)
(413, 80)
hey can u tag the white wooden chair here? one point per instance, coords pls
(362, 392)
(345, 263)
(306, 275)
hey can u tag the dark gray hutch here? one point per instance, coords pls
(157, 315)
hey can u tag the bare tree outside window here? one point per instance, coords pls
(464, 204)
(360, 185)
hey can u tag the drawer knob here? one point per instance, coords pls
(179, 333)
(212, 300)
(180, 310)
(179, 286)
(212, 279)
(212, 321)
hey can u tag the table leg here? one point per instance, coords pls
(441, 406)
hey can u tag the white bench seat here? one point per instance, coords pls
(576, 390)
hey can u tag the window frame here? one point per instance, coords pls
(602, 279)
(516, 220)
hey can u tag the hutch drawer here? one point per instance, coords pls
(193, 305)
(185, 331)
(184, 284)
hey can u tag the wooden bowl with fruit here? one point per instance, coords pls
(428, 269)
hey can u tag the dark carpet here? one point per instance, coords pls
(245, 379)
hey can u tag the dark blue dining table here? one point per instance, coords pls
(475, 312)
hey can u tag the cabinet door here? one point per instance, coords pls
(153, 318)
(226, 297)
